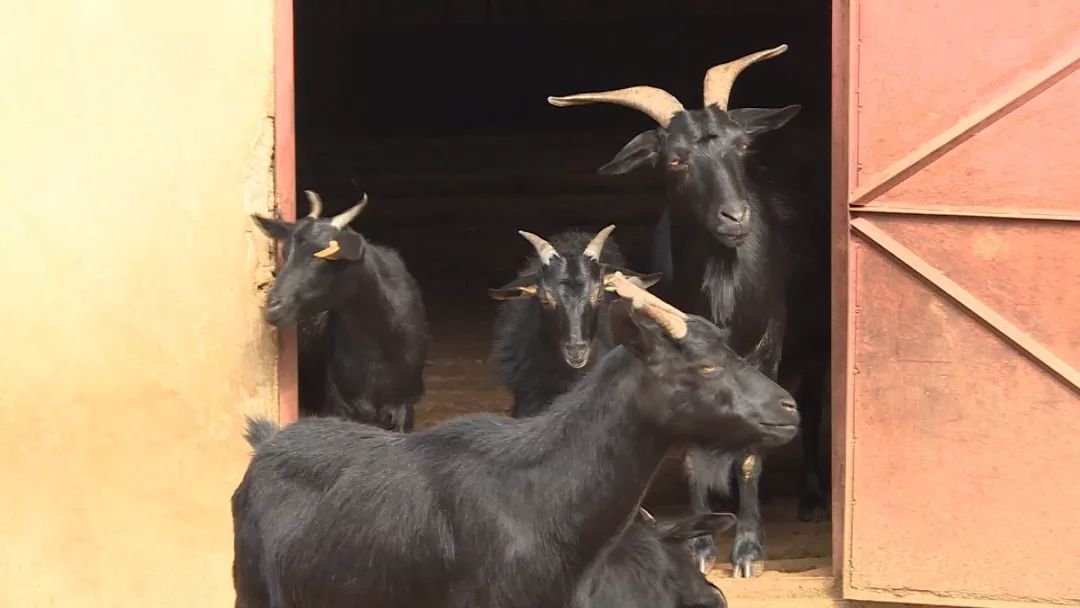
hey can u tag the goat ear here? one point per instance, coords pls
(275, 229)
(643, 281)
(350, 246)
(518, 289)
(642, 150)
(647, 280)
(755, 121)
(628, 333)
(694, 526)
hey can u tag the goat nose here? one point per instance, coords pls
(274, 310)
(576, 354)
(738, 215)
(788, 403)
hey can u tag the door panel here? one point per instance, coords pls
(962, 271)
(1032, 166)
(922, 65)
(1005, 265)
(965, 451)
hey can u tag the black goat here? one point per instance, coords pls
(363, 332)
(487, 511)
(650, 566)
(556, 321)
(734, 250)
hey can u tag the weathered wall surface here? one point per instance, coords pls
(136, 138)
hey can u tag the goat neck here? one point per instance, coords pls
(364, 302)
(597, 450)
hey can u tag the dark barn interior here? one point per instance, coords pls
(438, 110)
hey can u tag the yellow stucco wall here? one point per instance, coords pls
(136, 137)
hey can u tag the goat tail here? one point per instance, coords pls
(259, 430)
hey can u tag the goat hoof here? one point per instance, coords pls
(747, 557)
(813, 508)
(705, 552)
(748, 569)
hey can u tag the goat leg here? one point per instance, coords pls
(813, 505)
(748, 546)
(399, 418)
(700, 468)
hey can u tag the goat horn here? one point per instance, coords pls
(657, 103)
(670, 319)
(342, 219)
(543, 248)
(645, 515)
(620, 284)
(674, 326)
(596, 245)
(720, 78)
(316, 203)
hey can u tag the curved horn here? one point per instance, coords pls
(646, 516)
(596, 245)
(657, 103)
(720, 78)
(342, 219)
(674, 326)
(670, 319)
(543, 248)
(626, 288)
(316, 203)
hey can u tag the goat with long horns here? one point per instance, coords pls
(726, 247)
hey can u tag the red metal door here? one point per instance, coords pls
(958, 396)
(285, 188)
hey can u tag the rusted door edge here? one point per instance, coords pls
(840, 380)
(285, 189)
(978, 212)
(868, 597)
(1038, 353)
(967, 127)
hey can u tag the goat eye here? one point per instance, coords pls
(708, 370)
(676, 163)
(744, 146)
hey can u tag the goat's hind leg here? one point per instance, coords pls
(813, 505)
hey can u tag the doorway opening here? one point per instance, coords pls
(437, 110)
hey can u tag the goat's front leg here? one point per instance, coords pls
(748, 547)
(398, 418)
